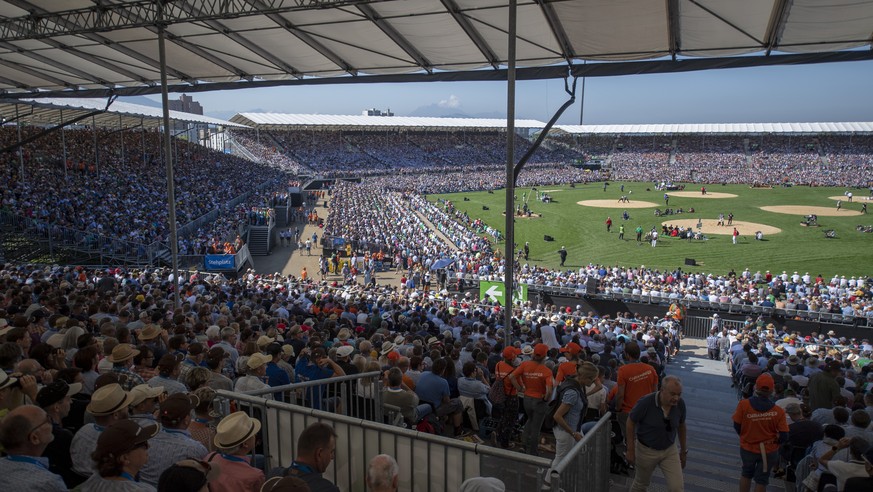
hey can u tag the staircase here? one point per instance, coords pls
(713, 456)
(260, 240)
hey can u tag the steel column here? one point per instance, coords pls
(509, 253)
(168, 160)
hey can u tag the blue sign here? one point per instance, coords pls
(220, 262)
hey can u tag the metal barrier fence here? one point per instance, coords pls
(83, 241)
(358, 395)
(427, 462)
(196, 262)
(586, 467)
(698, 326)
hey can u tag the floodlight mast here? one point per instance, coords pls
(168, 160)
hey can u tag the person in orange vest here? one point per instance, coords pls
(534, 380)
(762, 427)
(304, 274)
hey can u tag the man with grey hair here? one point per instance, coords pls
(383, 474)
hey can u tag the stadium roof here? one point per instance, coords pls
(289, 121)
(732, 128)
(105, 46)
(47, 111)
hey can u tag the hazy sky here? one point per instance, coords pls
(826, 92)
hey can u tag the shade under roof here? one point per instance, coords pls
(328, 121)
(48, 111)
(111, 44)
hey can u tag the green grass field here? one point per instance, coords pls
(583, 231)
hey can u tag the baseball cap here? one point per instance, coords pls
(764, 382)
(122, 436)
(510, 353)
(176, 407)
(55, 392)
(541, 350)
(572, 348)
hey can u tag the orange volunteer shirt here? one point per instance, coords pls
(638, 379)
(536, 378)
(760, 427)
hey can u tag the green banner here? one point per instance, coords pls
(496, 291)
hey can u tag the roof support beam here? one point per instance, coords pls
(308, 39)
(557, 28)
(395, 36)
(776, 26)
(472, 32)
(37, 12)
(673, 31)
(242, 41)
(729, 23)
(96, 60)
(140, 13)
(36, 73)
(62, 66)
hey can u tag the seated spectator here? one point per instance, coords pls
(169, 368)
(122, 450)
(316, 449)
(383, 474)
(24, 434)
(173, 443)
(433, 389)
(845, 470)
(144, 404)
(108, 404)
(122, 362)
(235, 438)
(202, 426)
(55, 399)
(404, 398)
(862, 484)
(860, 427)
(188, 475)
(255, 375)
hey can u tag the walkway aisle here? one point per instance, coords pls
(713, 456)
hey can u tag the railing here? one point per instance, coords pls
(586, 466)
(357, 395)
(699, 327)
(84, 241)
(427, 462)
(196, 262)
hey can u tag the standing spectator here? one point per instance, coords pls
(761, 426)
(25, 433)
(609, 224)
(735, 234)
(534, 380)
(653, 425)
(635, 380)
(568, 427)
(509, 412)
(316, 448)
(712, 344)
(563, 254)
(823, 387)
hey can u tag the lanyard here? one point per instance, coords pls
(127, 476)
(303, 468)
(230, 457)
(26, 459)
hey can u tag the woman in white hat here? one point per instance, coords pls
(235, 438)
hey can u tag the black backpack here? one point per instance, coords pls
(568, 384)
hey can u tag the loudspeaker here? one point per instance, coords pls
(690, 262)
(485, 207)
(548, 238)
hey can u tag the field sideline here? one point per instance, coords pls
(582, 229)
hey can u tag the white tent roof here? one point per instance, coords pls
(847, 127)
(111, 44)
(281, 120)
(47, 111)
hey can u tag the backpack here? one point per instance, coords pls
(497, 393)
(568, 384)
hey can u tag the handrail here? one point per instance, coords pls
(586, 440)
(314, 382)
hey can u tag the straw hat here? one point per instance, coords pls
(781, 370)
(143, 392)
(345, 351)
(527, 350)
(387, 347)
(264, 340)
(123, 352)
(150, 332)
(399, 340)
(234, 430)
(257, 360)
(6, 381)
(108, 400)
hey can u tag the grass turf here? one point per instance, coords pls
(583, 231)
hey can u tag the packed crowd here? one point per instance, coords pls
(115, 194)
(806, 408)
(267, 153)
(96, 363)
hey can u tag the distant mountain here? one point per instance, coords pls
(437, 111)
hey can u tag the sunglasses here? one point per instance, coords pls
(668, 425)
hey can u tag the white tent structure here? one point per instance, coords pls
(327, 121)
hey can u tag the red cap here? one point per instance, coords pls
(510, 353)
(393, 355)
(541, 350)
(572, 347)
(764, 382)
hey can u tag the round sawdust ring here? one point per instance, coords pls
(616, 204)
(802, 210)
(710, 227)
(697, 194)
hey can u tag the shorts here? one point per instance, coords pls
(753, 466)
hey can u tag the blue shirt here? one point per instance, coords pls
(432, 389)
(29, 473)
(306, 370)
(276, 376)
(653, 430)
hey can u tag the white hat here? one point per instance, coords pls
(234, 430)
(386, 348)
(345, 351)
(142, 392)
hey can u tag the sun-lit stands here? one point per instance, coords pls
(635, 157)
(849, 157)
(589, 146)
(709, 159)
(778, 159)
(119, 194)
(267, 152)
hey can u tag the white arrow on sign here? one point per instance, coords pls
(493, 292)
